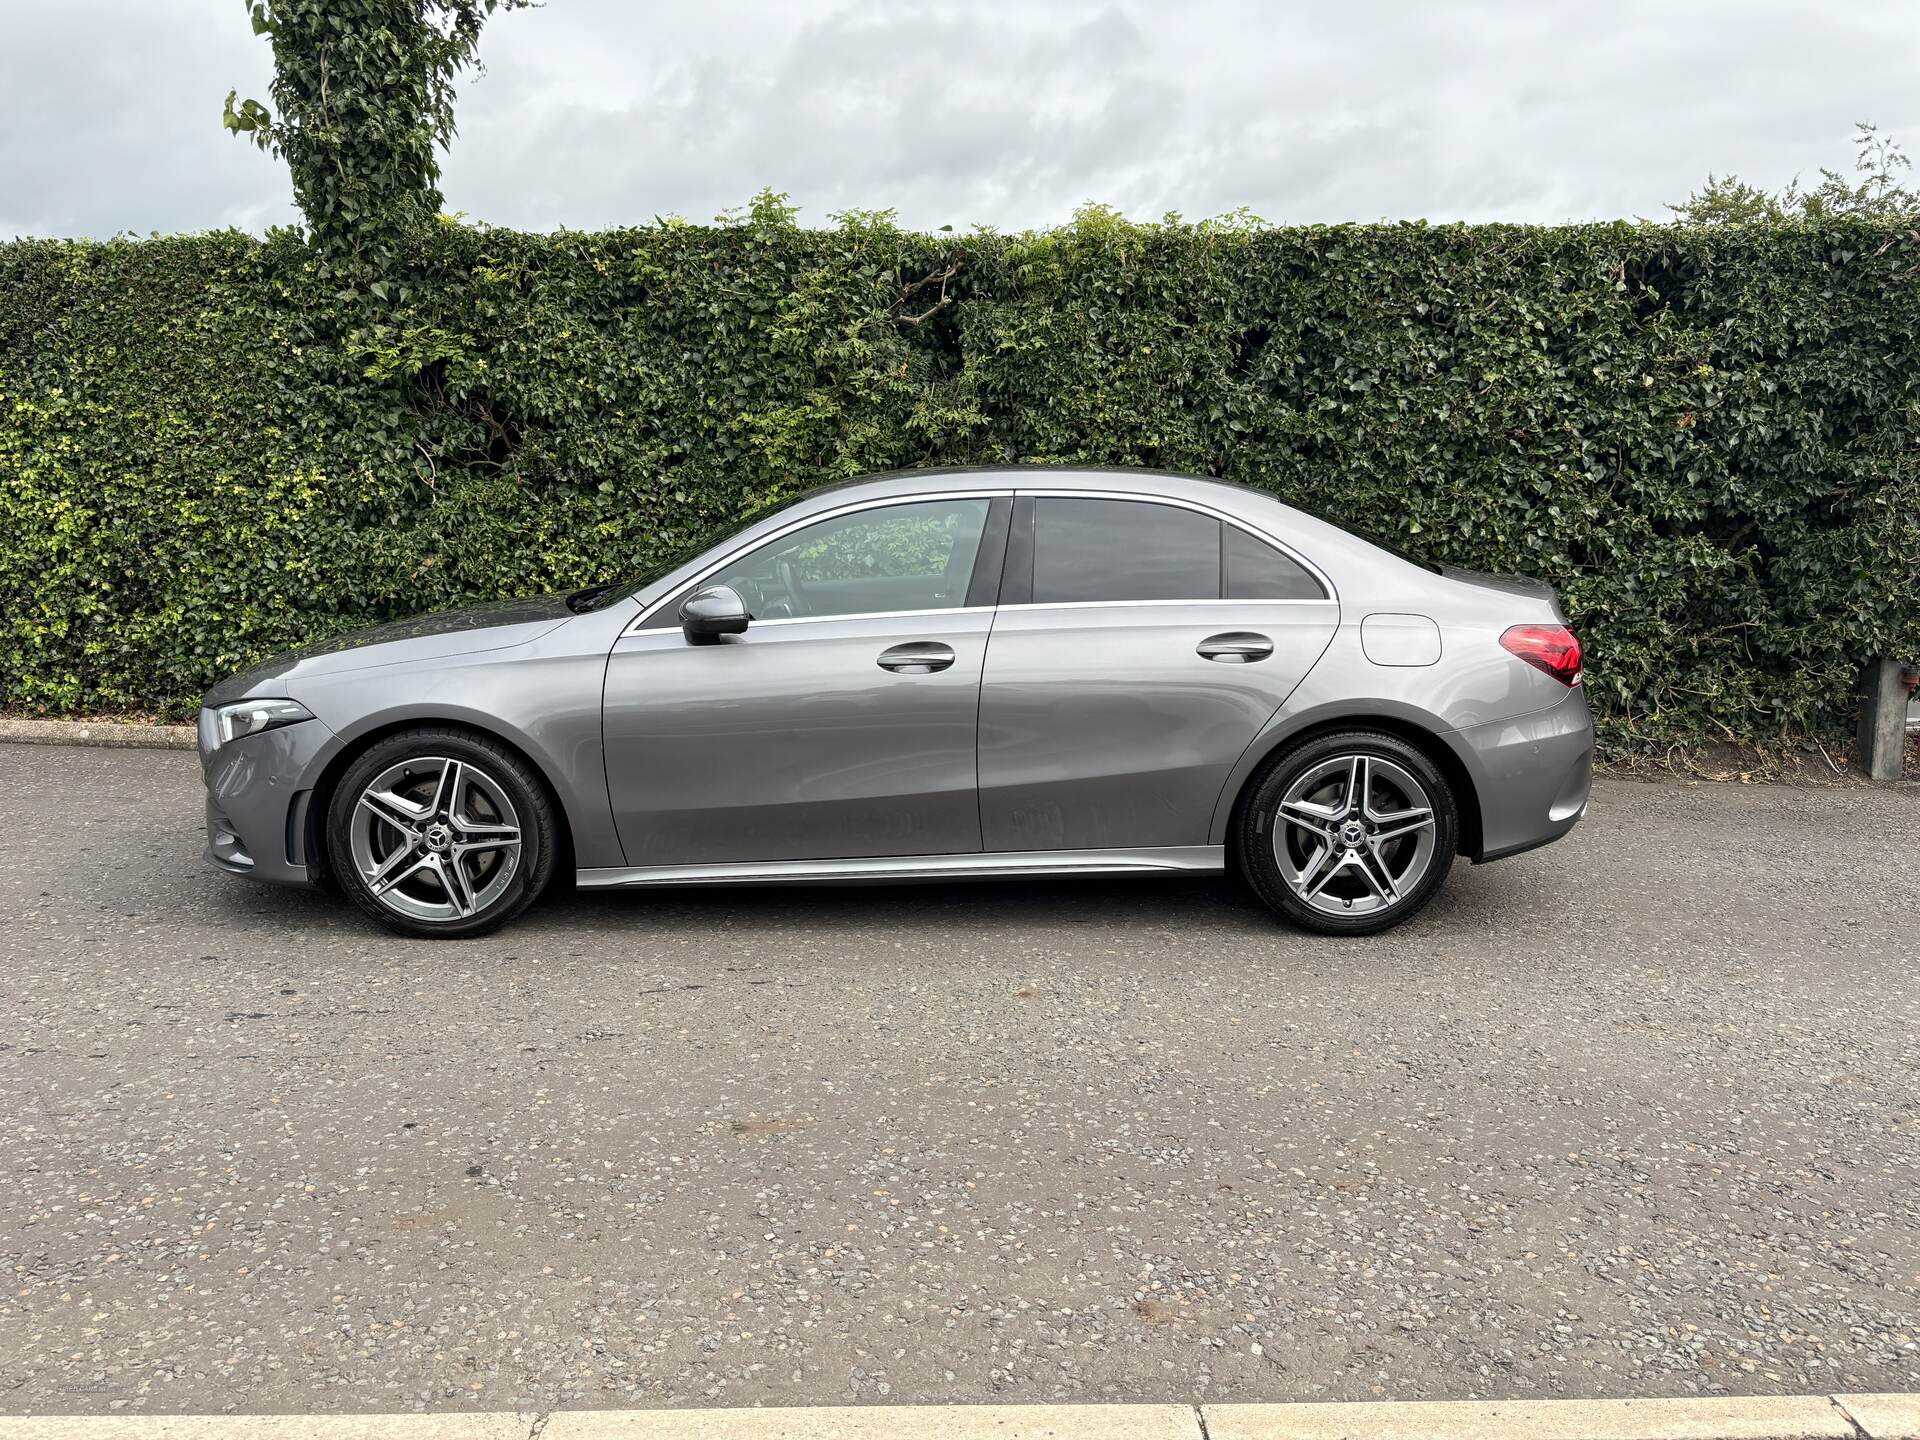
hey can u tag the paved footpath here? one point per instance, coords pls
(1779, 1417)
(1631, 1116)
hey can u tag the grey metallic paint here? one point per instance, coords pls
(1083, 744)
(791, 743)
(1102, 726)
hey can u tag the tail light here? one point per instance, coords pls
(1552, 648)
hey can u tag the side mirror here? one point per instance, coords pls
(708, 614)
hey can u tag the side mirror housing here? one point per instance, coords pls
(708, 614)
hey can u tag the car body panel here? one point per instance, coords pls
(1400, 640)
(1103, 726)
(534, 684)
(790, 742)
(1469, 702)
(544, 703)
(1533, 774)
(253, 784)
(424, 638)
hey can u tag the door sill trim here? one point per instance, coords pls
(1165, 860)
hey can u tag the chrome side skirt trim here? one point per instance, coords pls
(1166, 859)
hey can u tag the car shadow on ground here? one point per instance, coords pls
(1472, 899)
(926, 906)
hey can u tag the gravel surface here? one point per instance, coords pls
(1631, 1115)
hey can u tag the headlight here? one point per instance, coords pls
(250, 717)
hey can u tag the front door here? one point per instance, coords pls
(840, 725)
(1144, 647)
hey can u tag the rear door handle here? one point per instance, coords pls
(1236, 647)
(917, 657)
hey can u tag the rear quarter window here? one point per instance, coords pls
(1257, 571)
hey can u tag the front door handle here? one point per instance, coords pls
(1236, 647)
(917, 657)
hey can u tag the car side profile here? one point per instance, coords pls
(927, 675)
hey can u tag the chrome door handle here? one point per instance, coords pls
(1236, 647)
(917, 657)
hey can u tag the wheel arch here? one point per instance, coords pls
(357, 742)
(1412, 726)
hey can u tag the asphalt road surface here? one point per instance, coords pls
(1635, 1114)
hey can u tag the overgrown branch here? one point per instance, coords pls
(942, 278)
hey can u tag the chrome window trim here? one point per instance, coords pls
(861, 615)
(875, 615)
(1139, 604)
(1181, 503)
(639, 622)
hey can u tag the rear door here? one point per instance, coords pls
(1139, 646)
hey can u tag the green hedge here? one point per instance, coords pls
(1705, 437)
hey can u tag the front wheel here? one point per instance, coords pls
(1348, 834)
(441, 833)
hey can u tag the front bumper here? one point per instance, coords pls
(258, 791)
(1534, 774)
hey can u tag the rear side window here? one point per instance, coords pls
(1092, 550)
(1257, 571)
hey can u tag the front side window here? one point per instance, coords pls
(916, 556)
(1094, 550)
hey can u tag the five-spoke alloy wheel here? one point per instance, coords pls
(440, 832)
(1348, 834)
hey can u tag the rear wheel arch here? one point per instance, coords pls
(1429, 742)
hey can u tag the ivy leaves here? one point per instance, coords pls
(363, 94)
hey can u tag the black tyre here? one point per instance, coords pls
(1348, 834)
(441, 833)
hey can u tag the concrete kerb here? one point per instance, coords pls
(110, 733)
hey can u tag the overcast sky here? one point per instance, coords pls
(1000, 112)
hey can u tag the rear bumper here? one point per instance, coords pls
(257, 803)
(1534, 774)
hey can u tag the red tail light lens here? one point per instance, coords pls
(1552, 648)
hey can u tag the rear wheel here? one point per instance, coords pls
(441, 833)
(1348, 834)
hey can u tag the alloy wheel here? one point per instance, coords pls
(1354, 835)
(435, 838)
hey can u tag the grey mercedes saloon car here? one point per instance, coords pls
(927, 675)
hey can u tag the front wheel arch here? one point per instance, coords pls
(313, 840)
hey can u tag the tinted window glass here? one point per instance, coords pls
(897, 557)
(1257, 571)
(1122, 550)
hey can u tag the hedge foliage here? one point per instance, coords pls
(1706, 437)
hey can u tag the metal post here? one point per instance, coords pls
(1883, 720)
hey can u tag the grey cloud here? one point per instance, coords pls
(1001, 112)
(110, 119)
